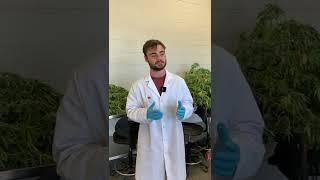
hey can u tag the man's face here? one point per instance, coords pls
(156, 58)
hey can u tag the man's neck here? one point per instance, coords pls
(157, 74)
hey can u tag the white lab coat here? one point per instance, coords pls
(235, 106)
(160, 149)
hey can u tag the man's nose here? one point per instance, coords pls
(159, 57)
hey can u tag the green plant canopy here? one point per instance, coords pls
(281, 60)
(27, 118)
(198, 80)
(117, 99)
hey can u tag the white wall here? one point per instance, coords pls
(184, 26)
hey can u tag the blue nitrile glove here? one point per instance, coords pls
(227, 156)
(153, 114)
(180, 111)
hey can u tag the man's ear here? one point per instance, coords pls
(145, 58)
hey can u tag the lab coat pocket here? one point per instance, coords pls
(144, 138)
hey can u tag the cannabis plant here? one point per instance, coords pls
(198, 80)
(117, 99)
(281, 60)
(27, 118)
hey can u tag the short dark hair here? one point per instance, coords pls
(151, 44)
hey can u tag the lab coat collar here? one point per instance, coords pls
(151, 84)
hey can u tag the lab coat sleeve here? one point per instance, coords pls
(187, 100)
(134, 107)
(78, 154)
(246, 127)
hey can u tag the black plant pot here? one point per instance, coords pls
(294, 161)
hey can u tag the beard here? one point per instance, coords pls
(158, 66)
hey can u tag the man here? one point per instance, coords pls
(239, 150)
(159, 102)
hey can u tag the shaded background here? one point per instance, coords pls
(46, 39)
(231, 17)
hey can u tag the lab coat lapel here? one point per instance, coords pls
(151, 85)
(167, 81)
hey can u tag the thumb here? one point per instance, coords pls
(151, 106)
(224, 137)
(223, 133)
(179, 104)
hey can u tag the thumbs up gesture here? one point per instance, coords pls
(180, 111)
(153, 114)
(228, 153)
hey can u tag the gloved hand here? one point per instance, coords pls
(180, 111)
(153, 114)
(227, 156)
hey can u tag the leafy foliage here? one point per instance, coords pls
(27, 118)
(281, 60)
(117, 99)
(198, 80)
